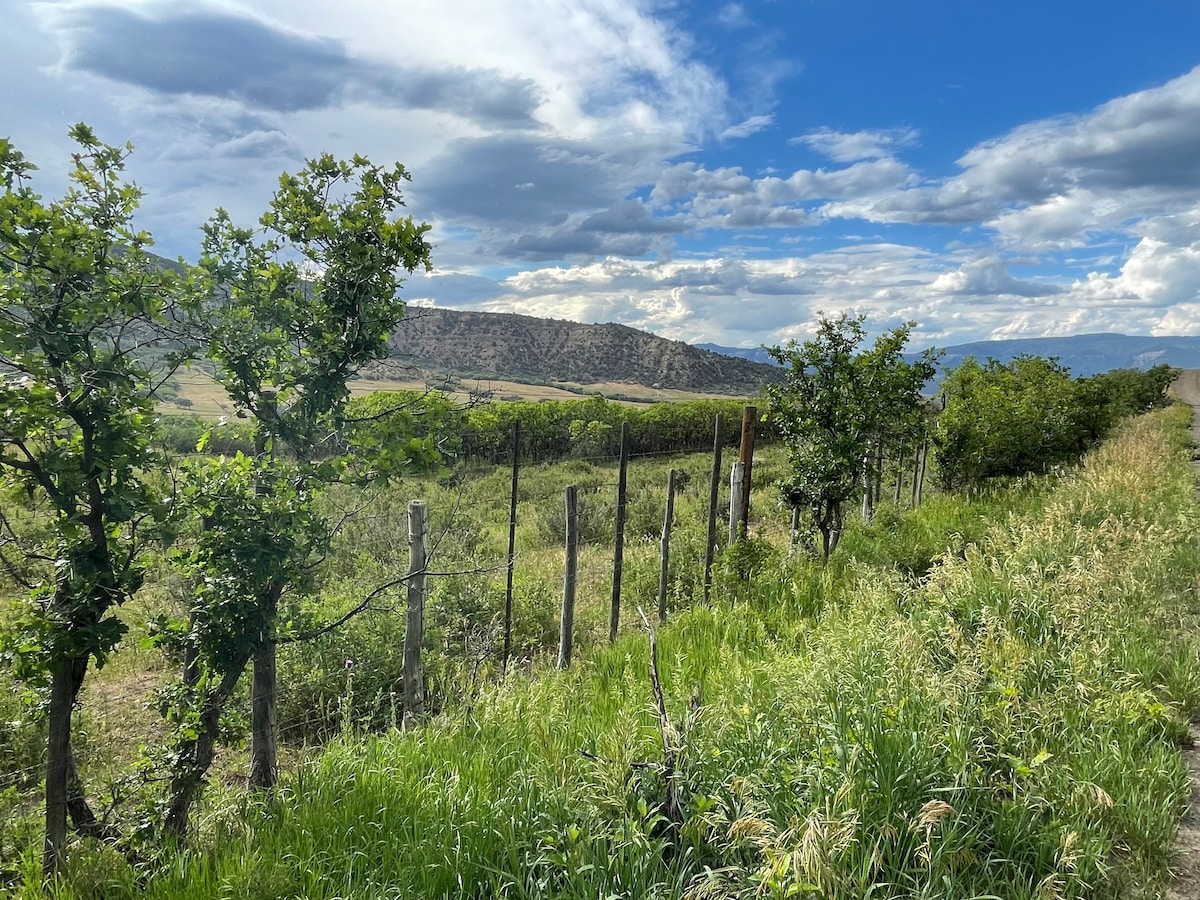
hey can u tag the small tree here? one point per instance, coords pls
(836, 404)
(298, 309)
(82, 319)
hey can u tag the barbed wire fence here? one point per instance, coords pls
(497, 543)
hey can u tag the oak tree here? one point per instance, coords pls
(838, 400)
(298, 307)
(84, 342)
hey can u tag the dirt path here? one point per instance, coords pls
(1186, 883)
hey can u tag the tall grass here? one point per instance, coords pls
(1000, 719)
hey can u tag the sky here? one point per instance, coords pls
(708, 171)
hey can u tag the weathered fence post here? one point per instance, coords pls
(614, 616)
(713, 487)
(512, 545)
(665, 550)
(795, 527)
(414, 631)
(746, 458)
(737, 481)
(567, 623)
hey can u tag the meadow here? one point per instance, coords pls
(979, 698)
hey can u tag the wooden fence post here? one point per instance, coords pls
(746, 458)
(665, 550)
(737, 481)
(414, 631)
(567, 623)
(614, 616)
(713, 487)
(512, 545)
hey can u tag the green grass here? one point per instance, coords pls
(981, 700)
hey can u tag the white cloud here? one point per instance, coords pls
(842, 146)
(750, 126)
(1054, 182)
(1161, 273)
(986, 277)
(569, 137)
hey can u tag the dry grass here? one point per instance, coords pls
(199, 395)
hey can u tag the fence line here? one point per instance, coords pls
(585, 571)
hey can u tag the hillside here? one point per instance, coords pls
(1083, 354)
(524, 348)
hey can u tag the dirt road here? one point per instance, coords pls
(1186, 884)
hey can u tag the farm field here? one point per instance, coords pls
(196, 393)
(972, 699)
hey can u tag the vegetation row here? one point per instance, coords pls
(262, 561)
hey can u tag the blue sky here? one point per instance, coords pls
(708, 171)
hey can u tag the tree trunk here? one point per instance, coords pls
(186, 782)
(264, 766)
(58, 756)
(868, 474)
(835, 531)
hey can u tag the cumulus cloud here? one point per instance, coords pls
(726, 198)
(1162, 271)
(988, 277)
(687, 179)
(1055, 182)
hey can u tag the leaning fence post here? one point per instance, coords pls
(567, 622)
(512, 544)
(614, 616)
(665, 551)
(414, 632)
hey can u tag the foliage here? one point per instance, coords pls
(590, 428)
(80, 295)
(836, 405)
(295, 311)
(1110, 397)
(1008, 726)
(1004, 419)
(183, 435)
(83, 307)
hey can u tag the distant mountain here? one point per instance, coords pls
(754, 354)
(1083, 354)
(524, 348)
(1088, 354)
